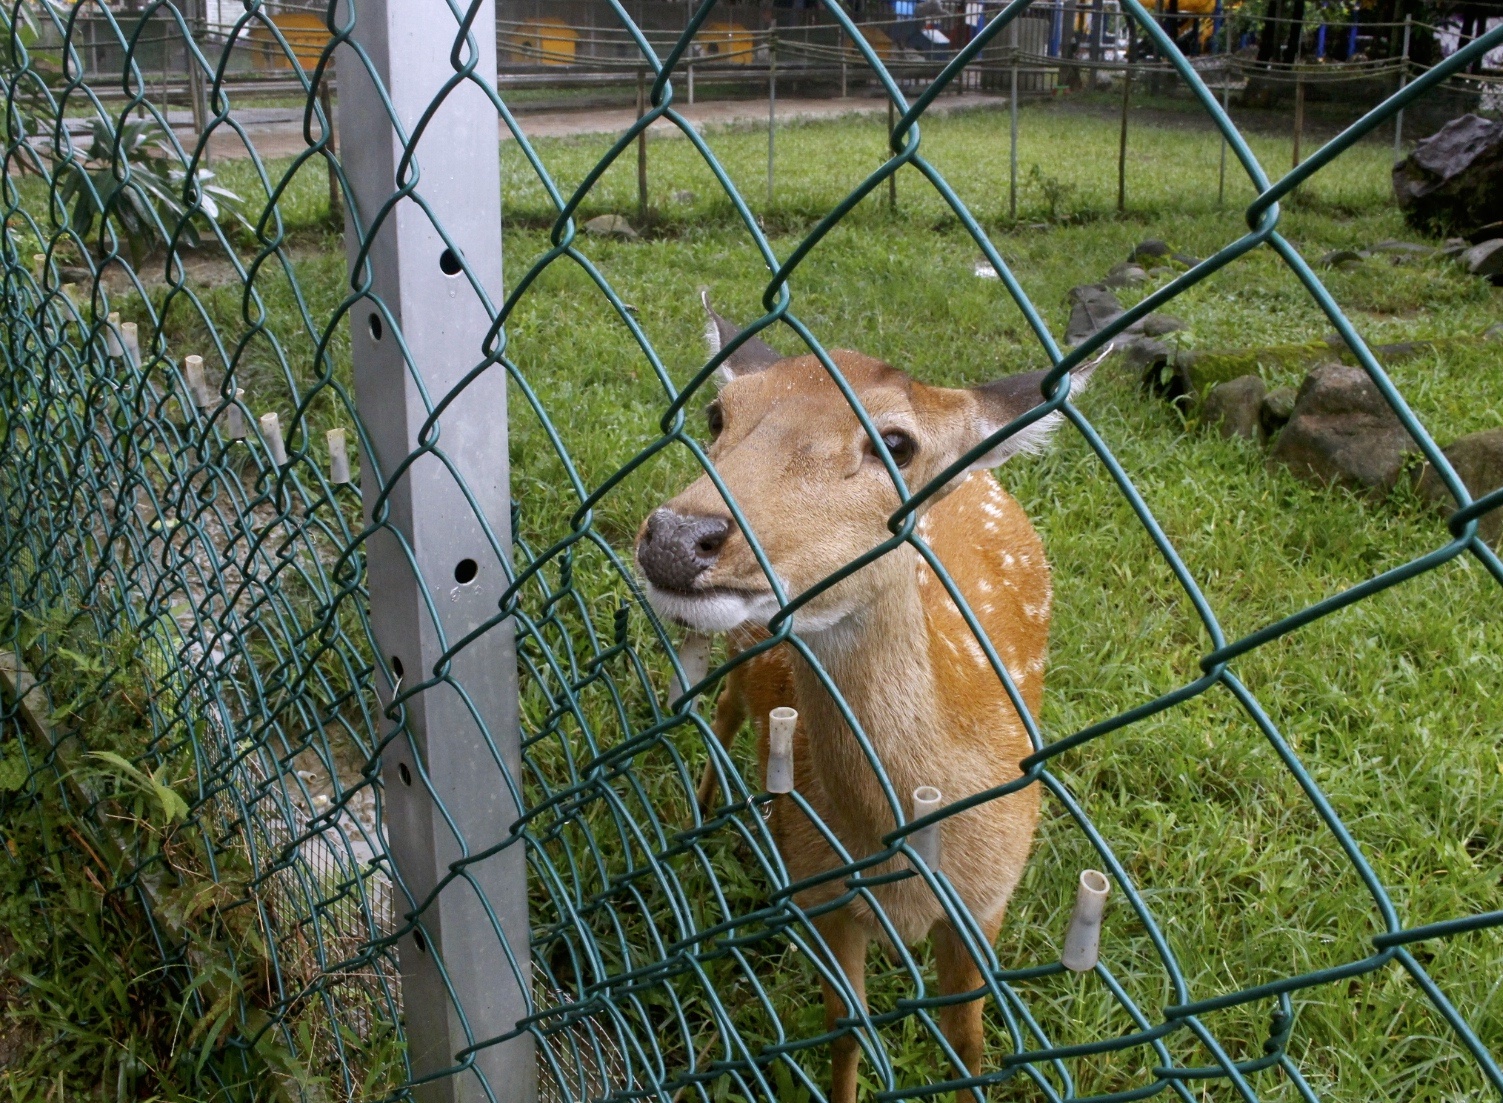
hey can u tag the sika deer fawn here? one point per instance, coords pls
(803, 471)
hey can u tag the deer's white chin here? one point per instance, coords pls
(714, 610)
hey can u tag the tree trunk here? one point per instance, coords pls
(1296, 31)
(1268, 38)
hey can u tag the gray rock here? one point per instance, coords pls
(1156, 325)
(1486, 232)
(1485, 259)
(1401, 249)
(1235, 406)
(1454, 178)
(1341, 258)
(1185, 258)
(1343, 432)
(1493, 332)
(1124, 275)
(685, 196)
(1478, 459)
(1163, 372)
(1142, 353)
(1092, 306)
(1277, 409)
(1153, 247)
(610, 225)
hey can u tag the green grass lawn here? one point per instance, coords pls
(1395, 705)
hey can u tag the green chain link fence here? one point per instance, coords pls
(205, 709)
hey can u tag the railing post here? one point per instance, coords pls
(1012, 120)
(435, 576)
(772, 106)
(1398, 118)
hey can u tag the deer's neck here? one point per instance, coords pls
(879, 659)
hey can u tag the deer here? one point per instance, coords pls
(808, 481)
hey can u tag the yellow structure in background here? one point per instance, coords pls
(877, 39)
(542, 42)
(726, 42)
(305, 33)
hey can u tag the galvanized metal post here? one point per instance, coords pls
(1226, 84)
(641, 147)
(772, 104)
(1012, 110)
(1126, 106)
(1398, 118)
(844, 81)
(434, 576)
(198, 92)
(892, 180)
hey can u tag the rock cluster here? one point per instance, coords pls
(1338, 429)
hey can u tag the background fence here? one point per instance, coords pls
(386, 759)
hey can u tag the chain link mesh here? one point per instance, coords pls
(192, 683)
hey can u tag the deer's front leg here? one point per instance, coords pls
(847, 942)
(958, 973)
(730, 714)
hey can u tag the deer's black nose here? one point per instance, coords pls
(674, 550)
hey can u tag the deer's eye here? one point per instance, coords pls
(714, 419)
(901, 445)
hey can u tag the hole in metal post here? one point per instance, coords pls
(396, 666)
(377, 329)
(422, 943)
(465, 571)
(449, 264)
(404, 773)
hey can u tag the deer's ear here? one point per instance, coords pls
(752, 356)
(1009, 398)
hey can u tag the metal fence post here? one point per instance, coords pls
(198, 92)
(1126, 106)
(1226, 105)
(772, 105)
(1012, 121)
(434, 576)
(1398, 118)
(641, 147)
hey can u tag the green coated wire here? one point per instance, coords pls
(229, 583)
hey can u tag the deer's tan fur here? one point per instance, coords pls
(800, 467)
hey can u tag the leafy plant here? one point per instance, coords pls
(1055, 192)
(133, 176)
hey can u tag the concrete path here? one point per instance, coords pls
(278, 131)
(561, 124)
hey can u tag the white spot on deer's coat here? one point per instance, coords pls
(983, 585)
(1007, 559)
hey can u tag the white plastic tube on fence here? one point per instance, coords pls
(781, 724)
(927, 799)
(193, 369)
(339, 457)
(234, 419)
(1083, 937)
(131, 343)
(271, 432)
